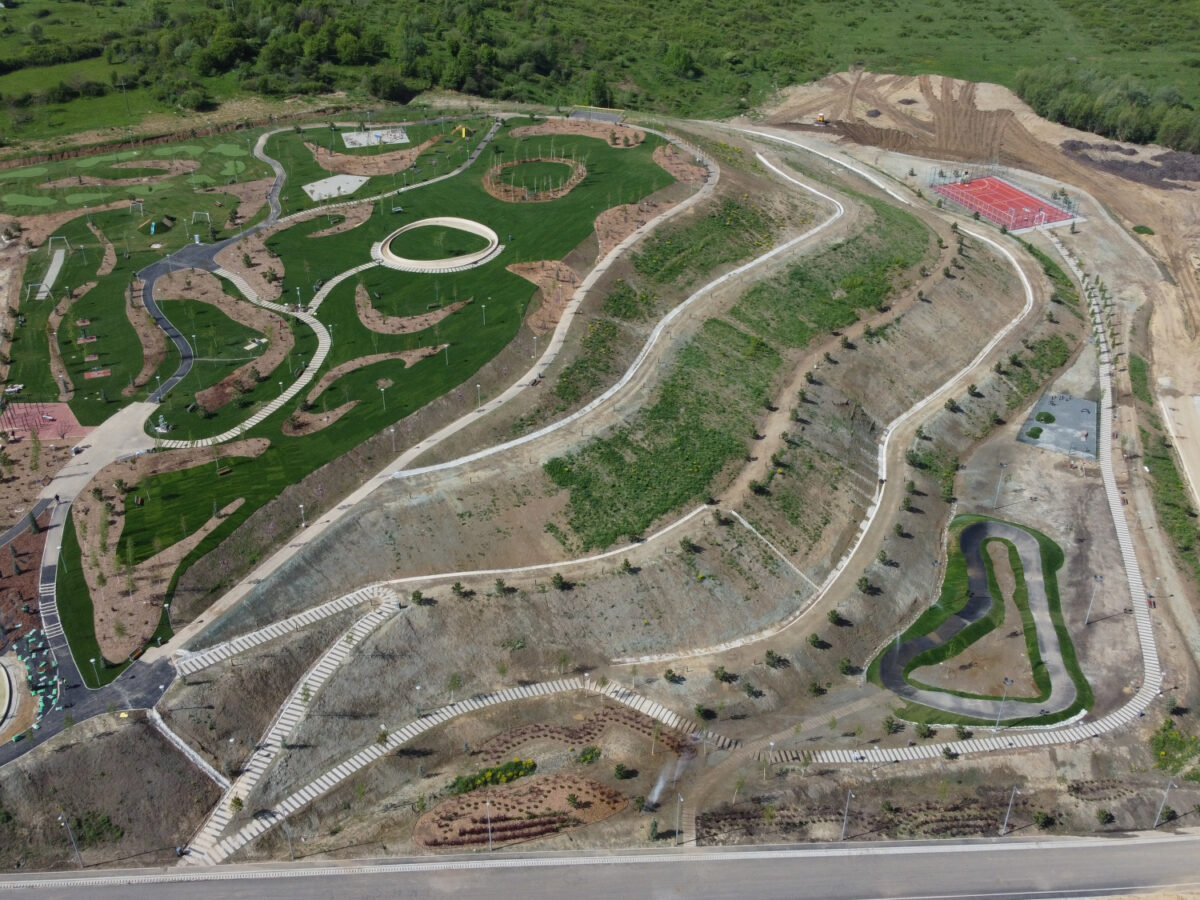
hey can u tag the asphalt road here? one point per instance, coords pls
(1016, 869)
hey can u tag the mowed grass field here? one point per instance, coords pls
(544, 230)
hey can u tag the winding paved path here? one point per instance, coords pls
(979, 603)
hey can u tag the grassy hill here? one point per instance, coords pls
(71, 61)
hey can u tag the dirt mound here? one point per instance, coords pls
(529, 809)
(300, 422)
(679, 166)
(516, 193)
(354, 216)
(385, 324)
(555, 282)
(408, 357)
(153, 341)
(252, 196)
(613, 135)
(109, 262)
(203, 286)
(380, 164)
(1162, 170)
(171, 169)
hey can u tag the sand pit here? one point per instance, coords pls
(408, 357)
(556, 283)
(613, 135)
(374, 320)
(495, 185)
(375, 164)
(203, 286)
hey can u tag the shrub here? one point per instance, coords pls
(1104, 817)
(509, 771)
(1043, 820)
(588, 755)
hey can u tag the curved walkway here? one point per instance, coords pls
(885, 449)
(209, 848)
(1151, 671)
(980, 602)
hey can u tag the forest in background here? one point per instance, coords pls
(1125, 70)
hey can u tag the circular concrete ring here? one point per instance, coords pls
(383, 254)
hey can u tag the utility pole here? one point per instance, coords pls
(846, 813)
(1099, 580)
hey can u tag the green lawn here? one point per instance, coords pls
(537, 175)
(178, 502)
(297, 160)
(436, 242)
(77, 614)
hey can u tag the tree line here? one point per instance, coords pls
(1123, 108)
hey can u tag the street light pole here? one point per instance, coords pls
(95, 673)
(383, 397)
(488, 803)
(61, 561)
(1000, 711)
(1099, 580)
(392, 431)
(303, 524)
(62, 818)
(485, 315)
(678, 819)
(999, 481)
(1163, 805)
(846, 813)
(418, 701)
(478, 396)
(767, 760)
(1008, 812)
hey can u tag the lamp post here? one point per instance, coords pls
(478, 396)
(1000, 711)
(303, 524)
(62, 818)
(61, 561)
(392, 432)
(534, 354)
(488, 804)
(418, 701)
(1163, 805)
(383, 398)
(1095, 588)
(846, 813)
(678, 819)
(999, 481)
(281, 389)
(1008, 812)
(767, 761)
(95, 673)
(485, 314)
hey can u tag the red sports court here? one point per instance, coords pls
(1001, 203)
